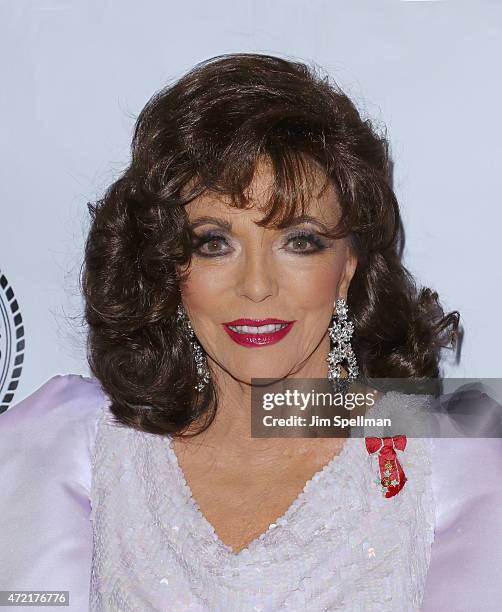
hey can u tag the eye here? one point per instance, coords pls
(303, 237)
(208, 240)
(207, 245)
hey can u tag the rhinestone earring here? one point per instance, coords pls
(203, 376)
(340, 334)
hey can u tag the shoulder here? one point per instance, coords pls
(64, 406)
(466, 460)
(56, 427)
(465, 470)
(74, 396)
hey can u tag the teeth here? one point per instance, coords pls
(263, 329)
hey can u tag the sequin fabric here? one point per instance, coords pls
(341, 545)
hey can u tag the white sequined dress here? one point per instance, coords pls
(341, 545)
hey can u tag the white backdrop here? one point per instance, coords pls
(74, 75)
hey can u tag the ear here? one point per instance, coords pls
(348, 272)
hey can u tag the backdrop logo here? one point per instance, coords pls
(11, 343)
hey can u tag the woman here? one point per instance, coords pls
(256, 197)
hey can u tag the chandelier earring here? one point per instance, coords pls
(203, 376)
(341, 350)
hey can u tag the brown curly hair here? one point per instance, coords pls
(207, 131)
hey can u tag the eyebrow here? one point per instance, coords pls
(228, 226)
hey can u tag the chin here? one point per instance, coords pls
(267, 373)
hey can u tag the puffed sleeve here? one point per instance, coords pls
(466, 557)
(46, 444)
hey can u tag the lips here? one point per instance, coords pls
(257, 322)
(261, 339)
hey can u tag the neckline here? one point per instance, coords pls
(282, 521)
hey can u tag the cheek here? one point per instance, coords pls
(312, 285)
(205, 288)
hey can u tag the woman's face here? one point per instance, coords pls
(242, 271)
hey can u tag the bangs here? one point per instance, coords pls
(296, 178)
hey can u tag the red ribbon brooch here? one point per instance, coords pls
(392, 477)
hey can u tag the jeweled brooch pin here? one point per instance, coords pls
(392, 477)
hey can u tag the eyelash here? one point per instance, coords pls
(212, 236)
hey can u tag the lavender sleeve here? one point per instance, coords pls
(46, 442)
(466, 556)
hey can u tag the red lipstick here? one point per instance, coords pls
(257, 339)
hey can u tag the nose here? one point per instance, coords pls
(257, 278)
